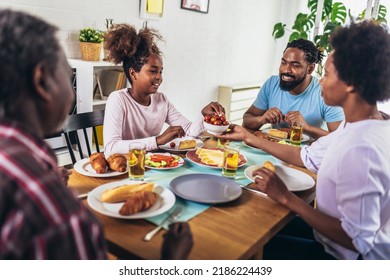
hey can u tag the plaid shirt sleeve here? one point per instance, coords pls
(39, 216)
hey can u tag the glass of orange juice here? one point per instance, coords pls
(296, 133)
(137, 161)
(230, 161)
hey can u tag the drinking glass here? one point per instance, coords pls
(296, 133)
(230, 161)
(137, 161)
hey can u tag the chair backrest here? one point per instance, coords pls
(83, 121)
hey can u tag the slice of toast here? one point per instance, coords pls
(187, 144)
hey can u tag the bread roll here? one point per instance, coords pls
(122, 193)
(187, 144)
(138, 201)
(117, 162)
(98, 162)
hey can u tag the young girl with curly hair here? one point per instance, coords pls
(138, 113)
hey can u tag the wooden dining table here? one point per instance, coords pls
(234, 230)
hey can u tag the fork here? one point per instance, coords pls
(172, 217)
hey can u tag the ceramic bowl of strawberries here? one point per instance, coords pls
(215, 124)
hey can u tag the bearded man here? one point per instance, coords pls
(294, 95)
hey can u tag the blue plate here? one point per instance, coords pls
(205, 188)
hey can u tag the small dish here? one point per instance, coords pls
(214, 129)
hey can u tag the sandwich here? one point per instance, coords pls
(278, 133)
(122, 193)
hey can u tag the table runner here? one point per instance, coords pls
(192, 209)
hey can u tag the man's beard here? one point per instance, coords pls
(289, 86)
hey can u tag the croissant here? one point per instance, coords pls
(117, 162)
(98, 162)
(139, 201)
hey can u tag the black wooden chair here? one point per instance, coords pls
(82, 121)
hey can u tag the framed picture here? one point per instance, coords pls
(201, 6)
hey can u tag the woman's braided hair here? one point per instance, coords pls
(312, 53)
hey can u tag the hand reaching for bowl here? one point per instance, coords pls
(212, 109)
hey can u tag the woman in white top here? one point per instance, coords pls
(352, 217)
(139, 113)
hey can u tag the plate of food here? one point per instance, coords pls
(184, 144)
(294, 179)
(212, 158)
(283, 134)
(131, 199)
(98, 166)
(163, 161)
(205, 188)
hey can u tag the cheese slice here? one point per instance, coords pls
(210, 157)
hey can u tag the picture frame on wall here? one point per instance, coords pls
(201, 6)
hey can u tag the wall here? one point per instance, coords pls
(231, 44)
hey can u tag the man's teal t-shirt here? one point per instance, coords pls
(309, 103)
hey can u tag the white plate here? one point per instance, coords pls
(167, 146)
(294, 179)
(305, 137)
(165, 202)
(253, 148)
(85, 168)
(180, 163)
(205, 188)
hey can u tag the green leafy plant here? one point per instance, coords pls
(333, 15)
(91, 35)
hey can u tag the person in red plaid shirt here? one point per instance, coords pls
(39, 216)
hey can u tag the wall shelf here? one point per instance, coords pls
(86, 82)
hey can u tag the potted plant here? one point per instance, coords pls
(90, 43)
